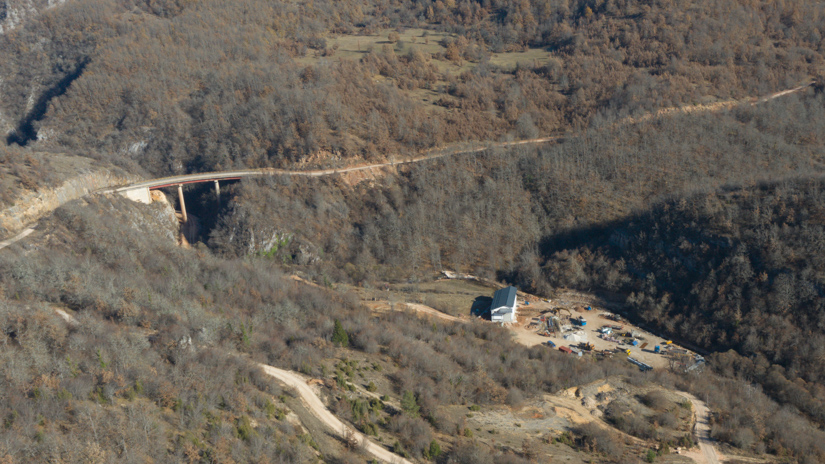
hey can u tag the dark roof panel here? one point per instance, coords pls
(504, 297)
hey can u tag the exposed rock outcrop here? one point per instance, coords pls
(31, 206)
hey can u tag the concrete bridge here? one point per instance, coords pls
(141, 191)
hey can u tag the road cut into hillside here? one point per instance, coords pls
(316, 406)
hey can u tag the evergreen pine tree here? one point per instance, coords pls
(339, 335)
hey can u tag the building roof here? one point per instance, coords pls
(504, 297)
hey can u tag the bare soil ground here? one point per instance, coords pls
(572, 305)
(319, 410)
(462, 298)
(544, 420)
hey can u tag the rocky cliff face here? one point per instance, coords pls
(31, 206)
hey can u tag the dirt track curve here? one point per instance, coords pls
(263, 172)
(317, 407)
(703, 429)
(26, 232)
(708, 454)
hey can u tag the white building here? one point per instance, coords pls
(503, 308)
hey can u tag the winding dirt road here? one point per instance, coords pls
(26, 232)
(703, 430)
(708, 454)
(263, 172)
(429, 155)
(420, 308)
(317, 407)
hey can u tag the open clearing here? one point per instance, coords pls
(573, 305)
(353, 47)
(464, 298)
(428, 43)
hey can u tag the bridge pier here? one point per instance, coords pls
(182, 203)
(218, 192)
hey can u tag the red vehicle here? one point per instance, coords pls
(565, 349)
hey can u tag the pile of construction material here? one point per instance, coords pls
(576, 337)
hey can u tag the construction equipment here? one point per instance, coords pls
(579, 321)
(627, 351)
(605, 353)
(554, 325)
(642, 366)
(658, 349)
(587, 346)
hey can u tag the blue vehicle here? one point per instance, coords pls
(550, 342)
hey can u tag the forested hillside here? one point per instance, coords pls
(670, 188)
(707, 266)
(446, 212)
(190, 86)
(157, 365)
(735, 270)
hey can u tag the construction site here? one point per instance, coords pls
(580, 328)
(575, 323)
